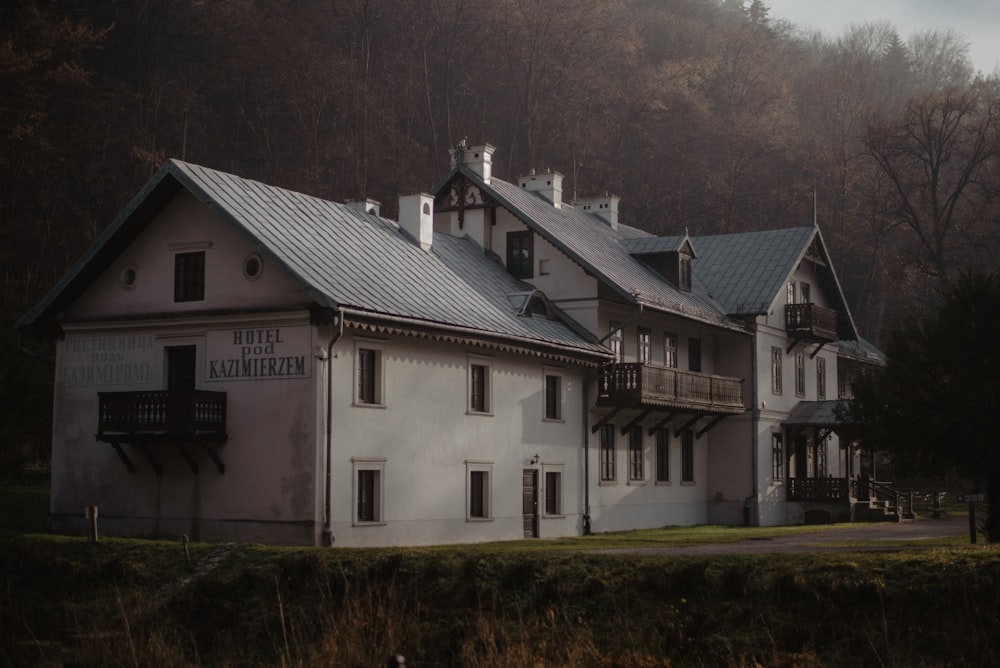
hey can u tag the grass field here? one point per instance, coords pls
(524, 603)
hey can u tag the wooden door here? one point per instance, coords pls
(530, 503)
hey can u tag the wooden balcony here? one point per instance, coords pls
(190, 416)
(811, 322)
(635, 385)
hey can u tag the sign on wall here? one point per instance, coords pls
(257, 354)
(107, 360)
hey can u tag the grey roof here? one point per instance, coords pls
(600, 250)
(747, 271)
(343, 258)
(816, 413)
(862, 350)
(653, 245)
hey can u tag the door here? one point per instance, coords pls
(530, 503)
(181, 367)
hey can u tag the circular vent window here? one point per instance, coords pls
(129, 277)
(253, 266)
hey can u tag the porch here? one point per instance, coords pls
(866, 499)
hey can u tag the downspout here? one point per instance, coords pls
(752, 504)
(586, 457)
(327, 530)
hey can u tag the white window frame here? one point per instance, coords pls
(670, 350)
(557, 470)
(376, 464)
(378, 347)
(485, 467)
(800, 375)
(820, 379)
(550, 372)
(776, 370)
(487, 364)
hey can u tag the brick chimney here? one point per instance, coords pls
(605, 208)
(416, 218)
(477, 158)
(548, 184)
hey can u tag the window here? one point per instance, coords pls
(804, 293)
(687, 456)
(777, 458)
(368, 374)
(643, 345)
(685, 272)
(477, 403)
(800, 374)
(790, 292)
(635, 472)
(189, 277)
(615, 342)
(820, 379)
(662, 455)
(608, 452)
(519, 254)
(670, 350)
(842, 383)
(478, 490)
(776, 356)
(368, 497)
(553, 493)
(694, 354)
(553, 397)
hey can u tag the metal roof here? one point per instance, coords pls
(601, 250)
(343, 258)
(816, 413)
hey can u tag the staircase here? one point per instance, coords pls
(880, 502)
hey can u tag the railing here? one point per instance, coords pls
(646, 383)
(811, 321)
(145, 415)
(818, 489)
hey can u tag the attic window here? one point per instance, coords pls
(129, 277)
(253, 265)
(189, 277)
(519, 254)
(684, 277)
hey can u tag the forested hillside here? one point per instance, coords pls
(705, 115)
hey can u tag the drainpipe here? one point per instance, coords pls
(327, 531)
(753, 518)
(586, 456)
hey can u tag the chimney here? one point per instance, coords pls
(416, 218)
(605, 208)
(548, 184)
(365, 205)
(477, 158)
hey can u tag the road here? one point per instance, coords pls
(924, 533)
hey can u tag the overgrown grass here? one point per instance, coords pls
(524, 603)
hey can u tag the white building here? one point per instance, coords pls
(240, 362)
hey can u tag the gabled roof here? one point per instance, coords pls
(601, 250)
(342, 257)
(747, 272)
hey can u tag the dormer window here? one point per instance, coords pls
(684, 275)
(520, 254)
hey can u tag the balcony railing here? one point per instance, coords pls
(818, 489)
(811, 321)
(639, 384)
(143, 417)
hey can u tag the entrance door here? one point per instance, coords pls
(181, 367)
(530, 503)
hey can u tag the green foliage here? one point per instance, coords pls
(931, 405)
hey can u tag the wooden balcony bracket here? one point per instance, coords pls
(708, 427)
(124, 457)
(663, 423)
(792, 345)
(636, 420)
(605, 419)
(219, 464)
(816, 351)
(689, 423)
(152, 461)
(187, 457)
